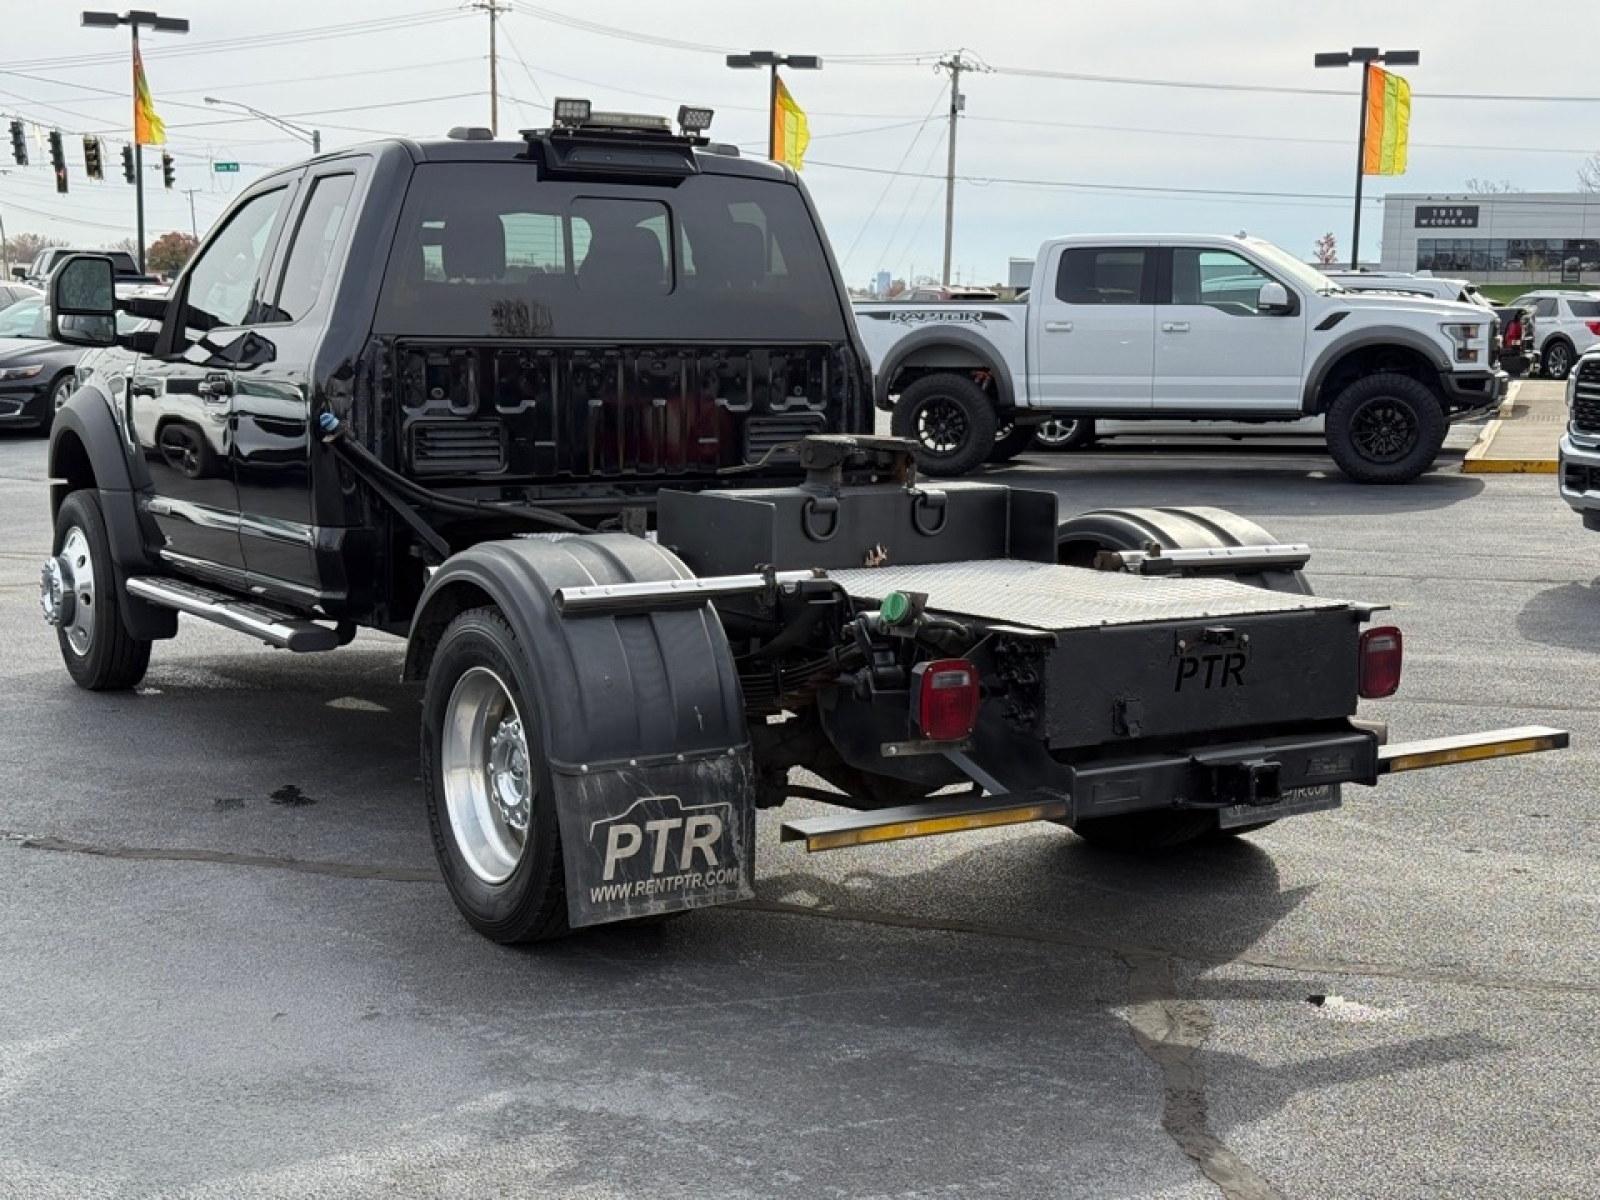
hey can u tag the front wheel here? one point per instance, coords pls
(951, 420)
(487, 784)
(1385, 429)
(78, 592)
(60, 390)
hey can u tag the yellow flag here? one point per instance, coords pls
(147, 127)
(790, 134)
(1388, 123)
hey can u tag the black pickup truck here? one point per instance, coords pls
(580, 416)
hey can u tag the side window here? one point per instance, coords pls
(311, 254)
(221, 289)
(1088, 275)
(1219, 279)
(1544, 306)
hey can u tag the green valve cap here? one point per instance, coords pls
(896, 607)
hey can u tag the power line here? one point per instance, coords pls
(923, 124)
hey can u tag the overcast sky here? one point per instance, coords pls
(1274, 162)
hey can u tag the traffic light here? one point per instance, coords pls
(58, 160)
(166, 170)
(127, 164)
(92, 166)
(19, 144)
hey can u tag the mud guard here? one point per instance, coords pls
(643, 723)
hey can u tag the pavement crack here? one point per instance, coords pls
(273, 862)
(1171, 1034)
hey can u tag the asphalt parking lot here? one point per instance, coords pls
(229, 969)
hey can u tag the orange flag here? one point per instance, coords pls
(147, 127)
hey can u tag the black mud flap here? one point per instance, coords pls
(640, 841)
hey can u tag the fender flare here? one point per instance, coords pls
(639, 714)
(945, 335)
(87, 450)
(1361, 340)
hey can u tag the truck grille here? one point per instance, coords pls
(457, 447)
(1586, 397)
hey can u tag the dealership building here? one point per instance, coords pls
(1515, 237)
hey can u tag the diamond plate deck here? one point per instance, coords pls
(1046, 596)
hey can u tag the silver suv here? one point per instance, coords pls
(1566, 324)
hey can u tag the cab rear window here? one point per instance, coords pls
(490, 250)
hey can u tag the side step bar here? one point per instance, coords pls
(923, 820)
(271, 625)
(1469, 747)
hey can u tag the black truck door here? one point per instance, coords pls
(182, 396)
(276, 383)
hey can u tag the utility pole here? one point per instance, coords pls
(494, 9)
(194, 228)
(955, 65)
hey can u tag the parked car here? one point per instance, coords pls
(1566, 325)
(37, 373)
(15, 293)
(38, 273)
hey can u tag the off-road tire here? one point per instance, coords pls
(530, 903)
(951, 420)
(1557, 359)
(107, 657)
(1385, 429)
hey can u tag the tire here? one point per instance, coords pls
(60, 389)
(80, 587)
(951, 420)
(1147, 832)
(1077, 539)
(1010, 441)
(487, 784)
(1064, 433)
(1558, 358)
(1385, 429)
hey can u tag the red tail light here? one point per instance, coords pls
(1513, 333)
(1380, 662)
(1594, 327)
(945, 698)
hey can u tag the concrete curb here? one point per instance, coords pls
(1478, 460)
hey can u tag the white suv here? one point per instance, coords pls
(1566, 323)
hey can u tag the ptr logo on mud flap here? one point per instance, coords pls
(661, 846)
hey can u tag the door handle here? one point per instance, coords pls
(215, 387)
(1174, 327)
(1058, 326)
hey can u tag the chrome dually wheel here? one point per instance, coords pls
(488, 787)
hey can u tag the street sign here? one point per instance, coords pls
(224, 167)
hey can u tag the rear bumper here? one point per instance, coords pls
(1259, 774)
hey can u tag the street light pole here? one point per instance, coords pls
(311, 136)
(1365, 56)
(160, 24)
(772, 61)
